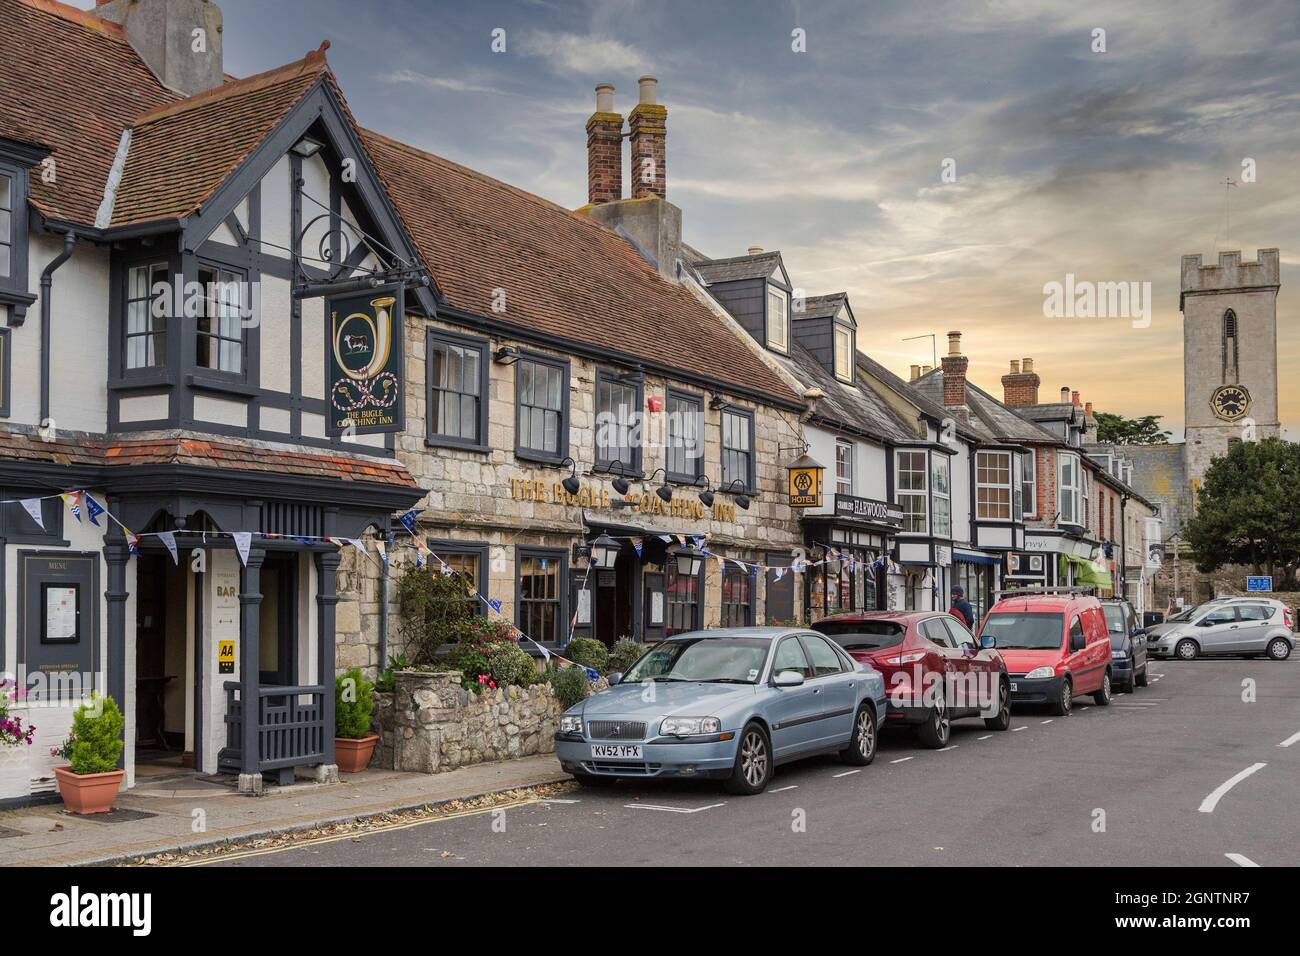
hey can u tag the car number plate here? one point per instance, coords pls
(616, 751)
(1014, 687)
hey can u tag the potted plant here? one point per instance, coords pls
(90, 782)
(14, 741)
(354, 709)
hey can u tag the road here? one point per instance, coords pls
(1183, 773)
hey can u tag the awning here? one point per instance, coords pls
(976, 558)
(1086, 573)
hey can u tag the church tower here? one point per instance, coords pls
(1229, 354)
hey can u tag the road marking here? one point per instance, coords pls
(846, 773)
(793, 786)
(949, 747)
(1212, 801)
(985, 737)
(900, 759)
(1014, 729)
(1047, 721)
(655, 806)
(1290, 740)
(1241, 860)
(1138, 703)
(557, 800)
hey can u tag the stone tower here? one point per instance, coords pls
(1229, 354)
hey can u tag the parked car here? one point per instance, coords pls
(1056, 647)
(731, 703)
(1226, 626)
(1128, 644)
(914, 650)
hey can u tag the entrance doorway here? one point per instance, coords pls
(614, 592)
(278, 642)
(162, 666)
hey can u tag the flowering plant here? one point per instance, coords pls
(13, 733)
(64, 749)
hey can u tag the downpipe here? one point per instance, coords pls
(47, 286)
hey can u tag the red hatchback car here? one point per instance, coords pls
(1057, 647)
(920, 654)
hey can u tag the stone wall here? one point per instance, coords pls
(429, 724)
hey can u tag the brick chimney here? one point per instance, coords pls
(1074, 398)
(954, 373)
(1020, 385)
(647, 130)
(604, 149)
(165, 35)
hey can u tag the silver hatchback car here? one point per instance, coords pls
(1236, 626)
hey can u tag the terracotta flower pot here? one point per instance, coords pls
(89, 792)
(353, 756)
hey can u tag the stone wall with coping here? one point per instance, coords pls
(430, 724)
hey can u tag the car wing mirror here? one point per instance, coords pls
(988, 641)
(788, 679)
(614, 678)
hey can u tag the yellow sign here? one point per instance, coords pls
(225, 657)
(596, 497)
(805, 487)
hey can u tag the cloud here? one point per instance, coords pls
(449, 84)
(584, 54)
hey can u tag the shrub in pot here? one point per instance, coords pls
(588, 652)
(90, 782)
(354, 710)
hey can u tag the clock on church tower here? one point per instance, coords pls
(1229, 354)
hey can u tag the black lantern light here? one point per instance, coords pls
(689, 561)
(664, 491)
(706, 496)
(604, 552)
(620, 484)
(742, 499)
(571, 484)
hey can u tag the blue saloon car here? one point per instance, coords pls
(729, 704)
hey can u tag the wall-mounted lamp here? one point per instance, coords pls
(706, 496)
(620, 483)
(664, 491)
(717, 403)
(306, 147)
(506, 355)
(604, 552)
(689, 561)
(742, 499)
(571, 484)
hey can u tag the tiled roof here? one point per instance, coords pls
(69, 81)
(988, 416)
(849, 406)
(758, 266)
(822, 306)
(924, 405)
(180, 153)
(202, 453)
(562, 273)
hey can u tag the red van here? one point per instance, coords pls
(1056, 647)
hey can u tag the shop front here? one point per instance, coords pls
(847, 551)
(1054, 558)
(977, 575)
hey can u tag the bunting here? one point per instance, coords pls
(73, 500)
(243, 539)
(168, 538)
(93, 510)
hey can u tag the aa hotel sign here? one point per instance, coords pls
(364, 362)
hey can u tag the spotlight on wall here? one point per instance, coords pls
(620, 483)
(306, 147)
(571, 484)
(706, 496)
(664, 491)
(742, 499)
(717, 403)
(506, 355)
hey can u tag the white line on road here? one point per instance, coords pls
(1212, 801)
(1047, 721)
(846, 773)
(1014, 729)
(557, 800)
(949, 747)
(1241, 860)
(985, 737)
(1290, 740)
(793, 786)
(900, 759)
(654, 806)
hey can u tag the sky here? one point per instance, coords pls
(939, 161)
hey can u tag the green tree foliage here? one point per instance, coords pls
(435, 610)
(96, 736)
(1118, 430)
(1248, 510)
(354, 705)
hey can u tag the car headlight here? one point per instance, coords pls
(689, 726)
(571, 724)
(1040, 672)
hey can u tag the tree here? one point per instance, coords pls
(1248, 510)
(1118, 430)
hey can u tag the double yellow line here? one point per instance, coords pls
(335, 838)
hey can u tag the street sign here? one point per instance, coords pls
(1263, 582)
(225, 657)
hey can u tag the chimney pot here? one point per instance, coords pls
(1074, 398)
(648, 86)
(1027, 365)
(926, 369)
(916, 373)
(754, 250)
(1015, 366)
(1065, 395)
(954, 343)
(605, 98)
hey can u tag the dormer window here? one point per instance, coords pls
(778, 319)
(844, 353)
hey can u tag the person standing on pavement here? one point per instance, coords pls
(961, 607)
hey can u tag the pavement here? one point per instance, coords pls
(163, 815)
(1186, 772)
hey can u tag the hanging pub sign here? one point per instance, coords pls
(363, 364)
(805, 483)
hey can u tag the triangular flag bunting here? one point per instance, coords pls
(33, 508)
(169, 539)
(408, 519)
(73, 500)
(243, 539)
(93, 510)
(133, 543)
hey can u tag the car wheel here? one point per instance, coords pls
(1141, 679)
(1187, 650)
(1279, 649)
(1064, 702)
(1103, 696)
(1003, 720)
(937, 727)
(592, 780)
(862, 745)
(753, 767)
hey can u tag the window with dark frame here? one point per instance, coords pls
(7, 191)
(683, 433)
(683, 597)
(145, 341)
(737, 604)
(618, 421)
(466, 565)
(540, 609)
(457, 385)
(737, 449)
(540, 405)
(220, 344)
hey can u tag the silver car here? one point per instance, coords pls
(1235, 626)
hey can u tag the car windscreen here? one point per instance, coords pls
(724, 660)
(1114, 619)
(862, 635)
(1184, 614)
(1025, 630)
